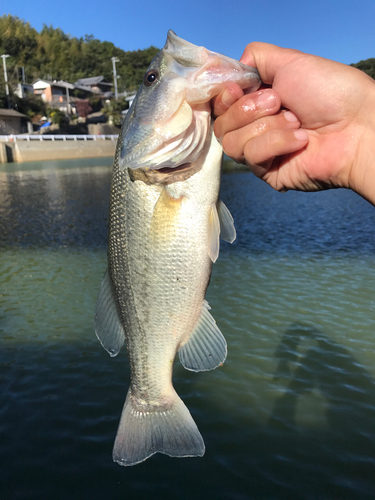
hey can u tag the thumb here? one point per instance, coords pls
(267, 59)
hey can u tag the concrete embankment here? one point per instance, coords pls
(22, 151)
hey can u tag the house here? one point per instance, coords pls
(23, 89)
(96, 83)
(130, 99)
(13, 122)
(55, 94)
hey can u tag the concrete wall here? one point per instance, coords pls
(22, 151)
(6, 152)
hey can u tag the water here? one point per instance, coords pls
(291, 414)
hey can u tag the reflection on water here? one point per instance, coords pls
(329, 375)
(291, 414)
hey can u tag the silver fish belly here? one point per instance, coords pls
(165, 221)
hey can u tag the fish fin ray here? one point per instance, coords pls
(214, 234)
(206, 348)
(227, 229)
(171, 431)
(108, 327)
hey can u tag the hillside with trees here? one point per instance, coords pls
(54, 55)
(368, 66)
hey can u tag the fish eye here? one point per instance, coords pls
(150, 77)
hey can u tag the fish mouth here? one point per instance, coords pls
(168, 170)
(165, 175)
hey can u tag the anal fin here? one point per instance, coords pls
(206, 348)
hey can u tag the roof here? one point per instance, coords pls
(86, 88)
(12, 113)
(60, 83)
(93, 80)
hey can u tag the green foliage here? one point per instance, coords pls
(3, 98)
(58, 117)
(368, 66)
(96, 103)
(113, 110)
(30, 105)
(55, 55)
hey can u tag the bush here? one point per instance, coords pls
(113, 110)
(83, 107)
(30, 105)
(96, 103)
(58, 117)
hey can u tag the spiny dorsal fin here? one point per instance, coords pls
(108, 327)
(206, 348)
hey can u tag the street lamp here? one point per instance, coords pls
(114, 61)
(4, 56)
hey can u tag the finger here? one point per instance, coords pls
(267, 58)
(228, 96)
(247, 109)
(263, 148)
(234, 142)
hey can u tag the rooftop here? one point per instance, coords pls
(12, 113)
(93, 80)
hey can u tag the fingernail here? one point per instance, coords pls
(266, 100)
(290, 117)
(301, 135)
(228, 98)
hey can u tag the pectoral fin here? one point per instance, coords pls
(206, 348)
(214, 234)
(227, 229)
(108, 327)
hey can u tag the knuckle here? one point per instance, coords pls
(230, 145)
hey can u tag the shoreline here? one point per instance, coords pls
(25, 151)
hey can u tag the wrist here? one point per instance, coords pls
(362, 174)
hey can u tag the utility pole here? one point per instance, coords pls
(114, 61)
(67, 100)
(4, 56)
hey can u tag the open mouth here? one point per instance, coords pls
(169, 170)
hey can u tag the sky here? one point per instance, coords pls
(342, 30)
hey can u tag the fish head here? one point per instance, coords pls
(169, 122)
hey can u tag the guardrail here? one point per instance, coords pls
(45, 137)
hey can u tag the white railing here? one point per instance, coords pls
(45, 137)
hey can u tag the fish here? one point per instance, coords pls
(165, 222)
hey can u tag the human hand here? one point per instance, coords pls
(313, 129)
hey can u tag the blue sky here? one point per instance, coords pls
(342, 30)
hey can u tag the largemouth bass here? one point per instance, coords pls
(165, 220)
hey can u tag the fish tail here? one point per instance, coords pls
(170, 430)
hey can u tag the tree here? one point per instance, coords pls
(83, 107)
(368, 66)
(53, 54)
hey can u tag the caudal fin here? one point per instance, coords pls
(141, 434)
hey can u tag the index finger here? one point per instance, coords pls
(247, 109)
(228, 96)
